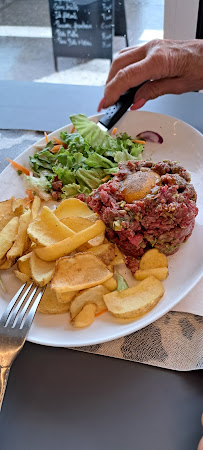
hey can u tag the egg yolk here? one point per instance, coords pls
(137, 185)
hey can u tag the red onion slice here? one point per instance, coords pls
(150, 136)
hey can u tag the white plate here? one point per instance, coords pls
(182, 143)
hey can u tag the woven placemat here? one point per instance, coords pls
(173, 342)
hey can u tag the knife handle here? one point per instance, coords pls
(115, 112)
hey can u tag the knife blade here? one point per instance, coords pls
(115, 112)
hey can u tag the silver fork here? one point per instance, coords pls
(14, 326)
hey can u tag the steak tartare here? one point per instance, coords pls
(146, 205)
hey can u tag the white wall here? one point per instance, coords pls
(180, 19)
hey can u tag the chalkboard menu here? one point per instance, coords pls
(82, 28)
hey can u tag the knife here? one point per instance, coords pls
(115, 112)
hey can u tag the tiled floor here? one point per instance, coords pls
(28, 58)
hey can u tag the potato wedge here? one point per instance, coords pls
(22, 276)
(135, 301)
(23, 264)
(46, 229)
(160, 273)
(6, 212)
(153, 259)
(82, 271)
(35, 206)
(66, 297)
(72, 207)
(85, 317)
(49, 303)
(105, 252)
(18, 246)
(59, 249)
(92, 295)
(42, 271)
(76, 223)
(110, 284)
(8, 235)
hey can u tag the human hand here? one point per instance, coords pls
(174, 67)
(200, 446)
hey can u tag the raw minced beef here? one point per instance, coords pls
(164, 218)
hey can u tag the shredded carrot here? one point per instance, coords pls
(55, 149)
(18, 167)
(101, 312)
(46, 137)
(106, 178)
(73, 129)
(30, 197)
(137, 141)
(114, 131)
(59, 141)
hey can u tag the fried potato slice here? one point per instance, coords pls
(92, 295)
(6, 212)
(110, 284)
(8, 235)
(98, 240)
(7, 264)
(66, 297)
(76, 223)
(35, 206)
(23, 264)
(46, 229)
(152, 259)
(72, 207)
(49, 303)
(105, 252)
(81, 271)
(111, 267)
(160, 273)
(18, 246)
(22, 276)
(85, 317)
(41, 271)
(62, 248)
(135, 301)
(118, 259)
(18, 206)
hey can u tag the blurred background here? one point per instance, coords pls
(26, 50)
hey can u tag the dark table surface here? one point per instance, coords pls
(61, 399)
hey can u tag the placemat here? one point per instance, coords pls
(173, 342)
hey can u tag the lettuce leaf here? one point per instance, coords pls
(41, 186)
(91, 132)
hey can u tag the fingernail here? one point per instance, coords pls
(141, 102)
(101, 104)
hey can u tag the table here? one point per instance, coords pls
(64, 399)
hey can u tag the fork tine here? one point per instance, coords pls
(25, 307)
(12, 304)
(20, 311)
(31, 310)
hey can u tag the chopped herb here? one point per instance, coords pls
(19, 172)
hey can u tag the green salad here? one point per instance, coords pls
(80, 162)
